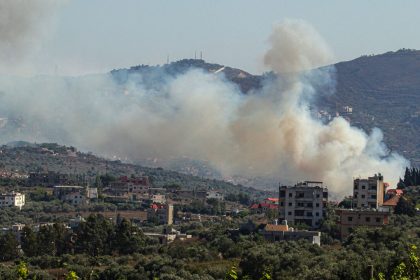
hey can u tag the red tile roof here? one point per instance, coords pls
(254, 206)
(395, 192)
(269, 205)
(264, 205)
(392, 201)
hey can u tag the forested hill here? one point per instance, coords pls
(384, 92)
(23, 157)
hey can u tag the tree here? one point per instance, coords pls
(71, 275)
(127, 239)
(22, 271)
(9, 247)
(94, 236)
(29, 242)
(232, 274)
(46, 241)
(405, 207)
(407, 270)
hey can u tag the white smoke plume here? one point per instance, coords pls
(202, 116)
(23, 26)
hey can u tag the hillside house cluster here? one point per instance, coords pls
(371, 205)
(305, 203)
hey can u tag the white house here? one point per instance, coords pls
(14, 199)
(215, 195)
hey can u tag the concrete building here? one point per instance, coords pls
(274, 232)
(349, 219)
(303, 203)
(12, 199)
(125, 185)
(92, 193)
(158, 198)
(76, 221)
(74, 195)
(169, 236)
(161, 214)
(215, 195)
(369, 193)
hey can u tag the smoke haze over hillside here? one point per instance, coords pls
(202, 116)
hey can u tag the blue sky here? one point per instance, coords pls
(99, 35)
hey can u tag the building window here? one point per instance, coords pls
(317, 214)
(290, 195)
(317, 205)
(299, 213)
(282, 193)
(289, 213)
(367, 219)
(363, 187)
(373, 196)
(363, 196)
(281, 203)
(290, 204)
(317, 195)
(355, 187)
(349, 219)
(378, 220)
(309, 214)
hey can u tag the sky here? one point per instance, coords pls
(89, 36)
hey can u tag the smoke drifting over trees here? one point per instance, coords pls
(269, 132)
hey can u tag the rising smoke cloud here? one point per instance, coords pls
(269, 133)
(23, 26)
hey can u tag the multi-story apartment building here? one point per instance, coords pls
(303, 203)
(14, 199)
(369, 193)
